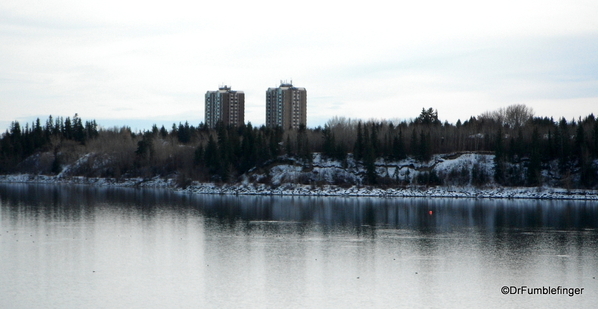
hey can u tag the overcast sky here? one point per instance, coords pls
(142, 62)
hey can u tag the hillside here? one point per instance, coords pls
(448, 175)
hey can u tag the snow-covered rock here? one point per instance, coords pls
(309, 190)
(325, 177)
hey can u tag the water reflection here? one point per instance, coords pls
(85, 247)
(431, 215)
(359, 214)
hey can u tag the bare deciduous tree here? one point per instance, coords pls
(513, 116)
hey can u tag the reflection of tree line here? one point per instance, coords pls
(445, 214)
(525, 146)
(59, 202)
(360, 213)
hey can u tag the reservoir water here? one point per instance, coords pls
(87, 247)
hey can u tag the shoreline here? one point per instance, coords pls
(289, 189)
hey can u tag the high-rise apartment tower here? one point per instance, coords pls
(225, 105)
(286, 106)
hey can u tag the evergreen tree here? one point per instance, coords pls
(398, 147)
(173, 131)
(67, 131)
(262, 149)
(580, 142)
(303, 150)
(78, 130)
(58, 126)
(91, 129)
(588, 176)
(16, 141)
(369, 162)
(163, 132)
(248, 150)
(499, 159)
(341, 152)
(48, 128)
(184, 133)
(533, 176)
(563, 146)
(328, 148)
(413, 144)
(374, 141)
(550, 152)
(39, 139)
(198, 155)
(275, 140)
(428, 117)
(424, 149)
(226, 151)
(358, 149)
(212, 157)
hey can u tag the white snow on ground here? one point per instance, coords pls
(285, 173)
(289, 178)
(309, 190)
(67, 170)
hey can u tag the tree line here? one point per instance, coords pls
(525, 147)
(20, 142)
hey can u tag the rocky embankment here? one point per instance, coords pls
(311, 190)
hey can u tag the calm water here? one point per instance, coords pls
(82, 247)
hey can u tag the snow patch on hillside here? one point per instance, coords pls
(325, 177)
